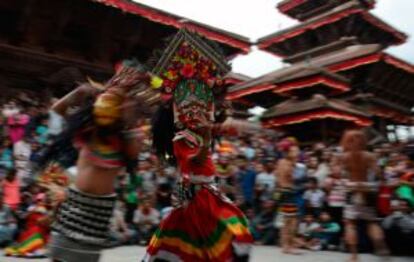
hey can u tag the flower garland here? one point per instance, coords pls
(189, 63)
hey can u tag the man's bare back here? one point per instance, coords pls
(359, 164)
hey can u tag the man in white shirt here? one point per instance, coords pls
(266, 181)
(314, 197)
(55, 123)
(22, 151)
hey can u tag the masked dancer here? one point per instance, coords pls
(204, 225)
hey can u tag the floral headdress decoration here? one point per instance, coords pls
(190, 70)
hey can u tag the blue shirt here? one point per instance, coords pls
(247, 179)
(6, 159)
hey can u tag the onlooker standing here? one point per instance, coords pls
(55, 121)
(11, 190)
(10, 109)
(6, 158)
(42, 132)
(17, 126)
(314, 197)
(246, 177)
(22, 151)
(148, 177)
(247, 150)
(300, 179)
(335, 187)
(266, 181)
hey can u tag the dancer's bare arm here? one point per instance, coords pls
(74, 98)
(203, 151)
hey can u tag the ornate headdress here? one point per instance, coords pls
(191, 70)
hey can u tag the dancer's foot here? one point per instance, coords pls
(383, 252)
(291, 251)
(353, 259)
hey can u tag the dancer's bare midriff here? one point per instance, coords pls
(94, 179)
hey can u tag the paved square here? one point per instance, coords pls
(260, 254)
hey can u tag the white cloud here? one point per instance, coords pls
(257, 18)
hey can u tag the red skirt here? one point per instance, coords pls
(206, 228)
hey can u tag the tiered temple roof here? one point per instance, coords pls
(347, 20)
(304, 9)
(319, 107)
(365, 66)
(339, 70)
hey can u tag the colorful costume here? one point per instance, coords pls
(362, 205)
(82, 221)
(33, 240)
(81, 224)
(204, 225)
(288, 203)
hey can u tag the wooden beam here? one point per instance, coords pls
(103, 36)
(23, 22)
(60, 20)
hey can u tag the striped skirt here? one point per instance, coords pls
(206, 227)
(81, 227)
(287, 202)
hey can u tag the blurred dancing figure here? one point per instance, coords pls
(362, 170)
(204, 225)
(285, 186)
(104, 130)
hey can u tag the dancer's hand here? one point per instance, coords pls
(87, 90)
(129, 77)
(205, 127)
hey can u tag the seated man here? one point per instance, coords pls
(119, 232)
(146, 220)
(329, 231)
(305, 234)
(399, 228)
(263, 224)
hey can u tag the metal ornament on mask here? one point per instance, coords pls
(193, 103)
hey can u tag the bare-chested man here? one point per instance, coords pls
(288, 206)
(360, 164)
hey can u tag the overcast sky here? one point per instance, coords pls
(257, 18)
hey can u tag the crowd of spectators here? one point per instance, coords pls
(246, 173)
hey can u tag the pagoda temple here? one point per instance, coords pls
(49, 45)
(339, 75)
